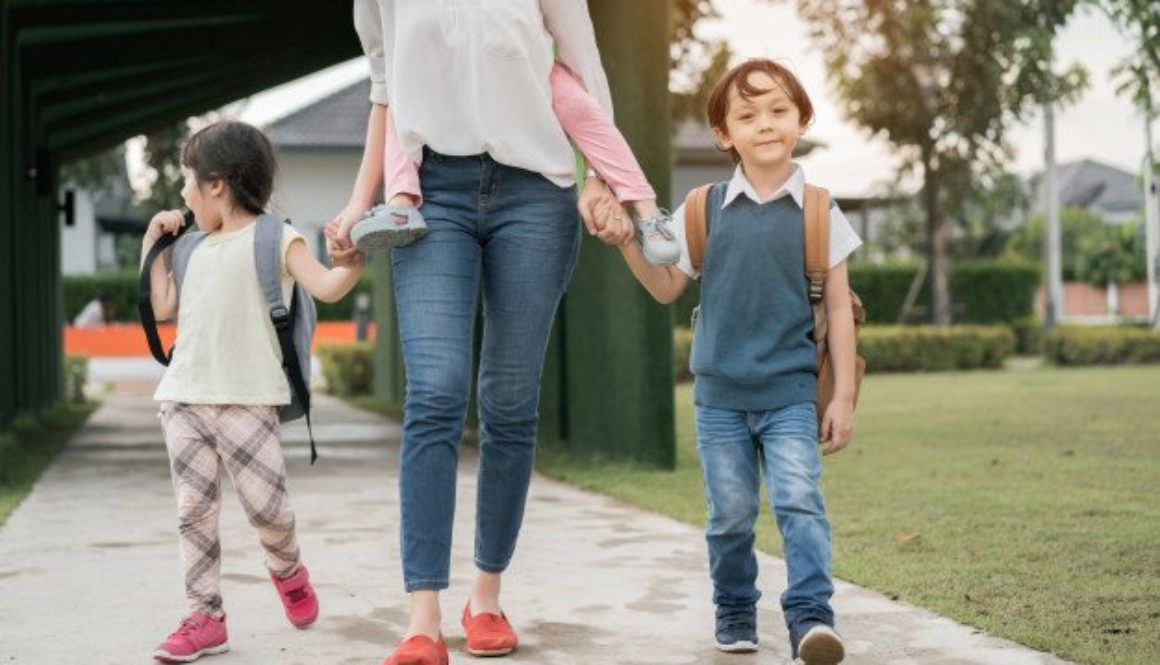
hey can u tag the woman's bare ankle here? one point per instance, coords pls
(425, 615)
(485, 593)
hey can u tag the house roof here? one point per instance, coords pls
(339, 121)
(1098, 186)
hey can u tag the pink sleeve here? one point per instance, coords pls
(601, 143)
(402, 175)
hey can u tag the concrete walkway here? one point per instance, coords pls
(89, 569)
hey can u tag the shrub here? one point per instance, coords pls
(1028, 335)
(1103, 345)
(348, 368)
(931, 349)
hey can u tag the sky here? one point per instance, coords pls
(1101, 126)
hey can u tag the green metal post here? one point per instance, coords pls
(618, 341)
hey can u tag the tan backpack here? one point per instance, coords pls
(817, 265)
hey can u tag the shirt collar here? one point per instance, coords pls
(794, 187)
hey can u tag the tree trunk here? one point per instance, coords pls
(936, 253)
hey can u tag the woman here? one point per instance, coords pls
(467, 86)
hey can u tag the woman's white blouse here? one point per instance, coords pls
(465, 77)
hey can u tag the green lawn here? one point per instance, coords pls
(1035, 497)
(30, 446)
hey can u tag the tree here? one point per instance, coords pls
(695, 63)
(942, 80)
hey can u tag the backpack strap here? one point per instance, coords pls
(183, 244)
(817, 239)
(268, 260)
(696, 223)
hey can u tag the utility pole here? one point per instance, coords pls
(1151, 223)
(1052, 244)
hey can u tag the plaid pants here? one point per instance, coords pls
(201, 439)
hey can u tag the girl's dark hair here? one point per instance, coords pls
(238, 153)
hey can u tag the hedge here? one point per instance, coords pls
(904, 348)
(348, 368)
(1103, 345)
(981, 291)
(79, 290)
(931, 349)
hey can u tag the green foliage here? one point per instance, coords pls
(348, 368)
(994, 291)
(934, 349)
(121, 287)
(1093, 251)
(1113, 254)
(1103, 345)
(28, 446)
(76, 372)
(943, 82)
(986, 291)
(1029, 335)
(695, 63)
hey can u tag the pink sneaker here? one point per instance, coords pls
(298, 597)
(198, 635)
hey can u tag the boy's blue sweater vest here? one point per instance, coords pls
(753, 348)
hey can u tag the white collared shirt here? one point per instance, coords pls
(843, 239)
(466, 77)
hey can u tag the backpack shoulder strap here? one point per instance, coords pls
(182, 246)
(816, 206)
(268, 261)
(182, 250)
(697, 223)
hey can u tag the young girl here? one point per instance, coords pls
(220, 395)
(399, 223)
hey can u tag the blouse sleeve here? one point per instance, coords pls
(369, 23)
(571, 28)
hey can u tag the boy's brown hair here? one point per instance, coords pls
(738, 78)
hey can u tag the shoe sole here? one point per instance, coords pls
(166, 657)
(374, 235)
(742, 646)
(489, 653)
(303, 624)
(821, 650)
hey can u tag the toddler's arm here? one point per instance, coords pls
(325, 284)
(163, 293)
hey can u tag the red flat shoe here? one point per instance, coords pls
(419, 650)
(488, 634)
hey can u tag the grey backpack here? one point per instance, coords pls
(294, 325)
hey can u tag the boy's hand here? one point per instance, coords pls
(166, 221)
(837, 425)
(613, 223)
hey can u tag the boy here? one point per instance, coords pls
(755, 364)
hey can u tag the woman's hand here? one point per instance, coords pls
(593, 194)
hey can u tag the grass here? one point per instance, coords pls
(30, 445)
(1022, 503)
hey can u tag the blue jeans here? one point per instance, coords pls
(736, 449)
(513, 237)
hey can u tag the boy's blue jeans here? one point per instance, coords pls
(512, 237)
(736, 449)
